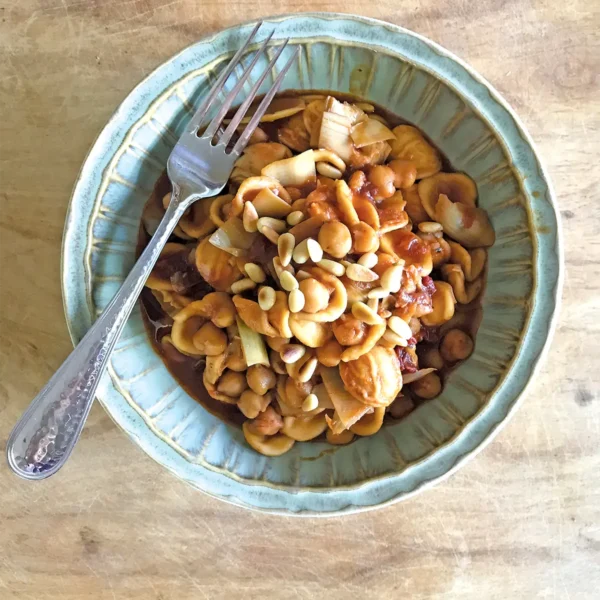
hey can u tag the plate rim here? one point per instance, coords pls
(554, 299)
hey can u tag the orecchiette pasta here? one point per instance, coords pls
(369, 424)
(332, 287)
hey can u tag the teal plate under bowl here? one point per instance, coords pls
(479, 133)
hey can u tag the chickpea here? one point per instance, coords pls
(364, 239)
(210, 340)
(277, 343)
(348, 330)
(260, 379)
(251, 403)
(405, 172)
(266, 423)
(401, 406)
(431, 358)
(382, 178)
(357, 180)
(330, 353)
(456, 345)
(427, 387)
(296, 392)
(335, 239)
(316, 296)
(232, 384)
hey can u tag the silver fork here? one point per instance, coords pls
(45, 435)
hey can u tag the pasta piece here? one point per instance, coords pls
(309, 333)
(373, 336)
(338, 298)
(294, 133)
(369, 424)
(256, 157)
(411, 145)
(472, 262)
(374, 378)
(443, 302)
(274, 445)
(468, 225)
(464, 294)
(254, 316)
(250, 188)
(196, 222)
(303, 429)
(297, 170)
(216, 266)
(457, 186)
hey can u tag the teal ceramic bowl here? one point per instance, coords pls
(480, 134)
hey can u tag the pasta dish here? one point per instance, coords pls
(332, 287)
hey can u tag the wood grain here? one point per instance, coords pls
(520, 521)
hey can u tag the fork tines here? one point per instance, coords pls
(215, 125)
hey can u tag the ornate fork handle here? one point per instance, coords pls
(44, 437)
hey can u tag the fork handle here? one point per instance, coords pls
(45, 435)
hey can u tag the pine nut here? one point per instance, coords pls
(242, 285)
(327, 170)
(250, 217)
(335, 268)
(296, 301)
(255, 272)
(357, 272)
(307, 370)
(276, 224)
(270, 234)
(391, 279)
(399, 326)
(378, 293)
(315, 252)
(285, 248)
(266, 298)
(288, 281)
(300, 254)
(368, 260)
(363, 313)
(292, 353)
(393, 338)
(295, 217)
(311, 402)
(430, 227)
(373, 304)
(279, 268)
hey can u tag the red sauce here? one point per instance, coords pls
(409, 246)
(428, 285)
(406, 360)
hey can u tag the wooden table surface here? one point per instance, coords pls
(522, 520)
